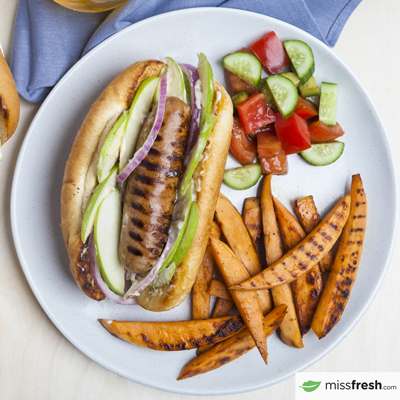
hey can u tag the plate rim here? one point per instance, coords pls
(13, 211)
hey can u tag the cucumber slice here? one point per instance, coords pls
(323, 153)
(310, 88)
(292, 76)
(107, 227)
(102, 190)
(327, 103)
(111, 148)
(240, 97)
(243, 177)
(189, 235)
(163, 277)
(268, 95)
(302, 58)
(245, 66)
(285, 94)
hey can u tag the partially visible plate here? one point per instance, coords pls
(35, 199)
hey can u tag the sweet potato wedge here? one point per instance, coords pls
(247, 303)
(239, 240)
(341, 279)
(305, 255)
(232, 348)
(252, 218)
(289, 330)
(309, 218)
(308, 287)
(221, 309)
(219, 289)
(201, 297)
(176, 335)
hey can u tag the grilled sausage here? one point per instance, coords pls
(151, 189)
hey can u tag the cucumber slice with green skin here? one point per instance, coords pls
(285, 94)
(323, 153)
(327, 103)
(109, 154)
(268, 95)
(179, 220)
(100, 193)
(302, 58)
(292, 76)
(107, 227)
(240, 98)
(207, 88)
(196, 153)
(140, 108)
(164, 276)
(245, 66)
(310, 88)
(243, 177)
(189, 235)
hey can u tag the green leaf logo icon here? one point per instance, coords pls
(310, 386)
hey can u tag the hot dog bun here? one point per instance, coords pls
(80, 176)
(9, 102)
(80, 179)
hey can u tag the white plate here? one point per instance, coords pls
(35, 202)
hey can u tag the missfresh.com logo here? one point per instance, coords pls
(349, 385)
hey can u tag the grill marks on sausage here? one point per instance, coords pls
(151, 190)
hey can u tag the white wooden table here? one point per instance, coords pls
(37, 362)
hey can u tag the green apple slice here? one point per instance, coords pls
(102, 190)
(207, 87)
(110, 151)
(196, 153)
(189, 235)
(175, 81)
(179, 220)
(107, 227)
(138, 112)
(163, 277)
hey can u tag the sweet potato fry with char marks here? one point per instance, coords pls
(221, 309)
(232, 348)
(176, 335)
(341, 279)
(219, 289)
(289, 330)
(201, 297)
(306, 254)
(308, 287)
(247, 303)
(309, 218)
(239, 240)
(252, 218)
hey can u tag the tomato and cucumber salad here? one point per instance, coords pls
(282, 114)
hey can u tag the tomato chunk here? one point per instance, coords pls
(236, 84)
(277, 165)
(306, 108)
(242, 147)
(271, 53)
(320, 132)
(268, 145)
(254, 113)
(293, 133)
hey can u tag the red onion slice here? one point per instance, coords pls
(142, 152)
(194, 80)
(138, 286)
(95, 270)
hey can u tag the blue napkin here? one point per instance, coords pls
(49, 39)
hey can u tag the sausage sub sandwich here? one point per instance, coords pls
(141, 183)
(9, 103)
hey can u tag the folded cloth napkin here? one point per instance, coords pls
(49, 39)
